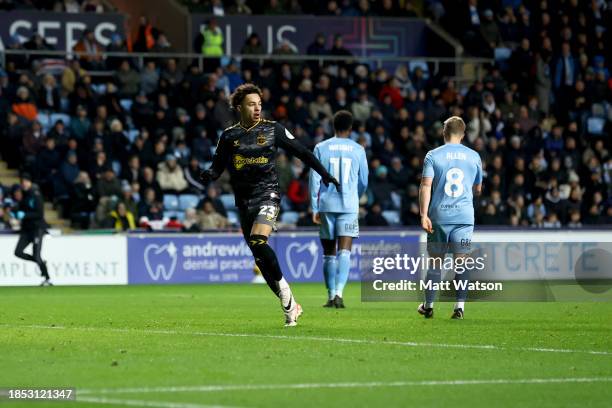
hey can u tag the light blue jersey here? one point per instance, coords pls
(454, 168)
(346, 161)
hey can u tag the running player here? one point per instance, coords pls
(248, 150)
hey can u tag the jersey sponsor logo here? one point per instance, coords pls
(261, 139)
(240, 161)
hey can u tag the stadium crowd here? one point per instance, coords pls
(124, 150)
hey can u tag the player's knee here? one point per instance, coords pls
(258, 245)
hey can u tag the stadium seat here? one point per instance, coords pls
(228, 201)
(126, 104)
(396, 199)
(45, 121)
(392, 217)
(99, 89)
(133, 134)
(171, 202)
(188, 201)
(289, 217)
(232, 217)
(60, 116)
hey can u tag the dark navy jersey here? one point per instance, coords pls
(249, 154)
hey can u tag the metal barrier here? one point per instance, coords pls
(457, 64)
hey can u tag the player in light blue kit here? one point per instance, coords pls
(452, 176)
(337, 212)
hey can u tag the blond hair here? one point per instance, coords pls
(453, 126)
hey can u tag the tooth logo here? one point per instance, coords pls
(160, 260)
(298, 263)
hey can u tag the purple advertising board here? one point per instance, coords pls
(225, 258)
(60, 30)
(364, 37)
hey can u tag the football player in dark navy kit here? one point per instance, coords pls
(30, 211)
(248, 151)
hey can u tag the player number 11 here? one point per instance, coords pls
(346, 168)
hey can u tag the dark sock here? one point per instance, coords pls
(266, 261)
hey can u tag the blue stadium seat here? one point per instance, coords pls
(45, 121)
(396, 199)
(126, 104)
(232, 217)
(392, 217)
(188, 201)
(228, 201)
(133, 134)
(289, 217)
(60, 116)
(171, 202)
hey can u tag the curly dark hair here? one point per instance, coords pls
(243, 90)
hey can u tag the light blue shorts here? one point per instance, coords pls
(450, 238)
(334, 225)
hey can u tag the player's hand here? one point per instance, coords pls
(332, 180)
(426, 224)
(205, 177)
(316, 218)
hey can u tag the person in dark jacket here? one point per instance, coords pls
(30, 211)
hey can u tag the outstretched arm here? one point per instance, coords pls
(286, 141)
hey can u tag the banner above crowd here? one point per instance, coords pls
(60, 30)
(363, 37)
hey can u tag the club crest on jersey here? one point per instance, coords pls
(261, 139)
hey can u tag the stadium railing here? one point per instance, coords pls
(454, 67)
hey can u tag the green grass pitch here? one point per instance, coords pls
(209, 345)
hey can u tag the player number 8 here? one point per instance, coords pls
(454, 182)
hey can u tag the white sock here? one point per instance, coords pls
(339, 293)
(285, 292)
(460, 305)
(429, 305)
(332, 295)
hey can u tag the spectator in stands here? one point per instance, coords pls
(192, 175)
(127, 80)
(252, 46)
(145, 37)
(108, 185)
(83, 202)
(48, 95)
(209, 218)
(25, 105)
(190, 224)
(149, 78)
(127, 198)
(90, 51)
(374, 217)
(68, 173)
(148, 181)
(212, 45)
(149, 206)
(122, 218)
(170, 176)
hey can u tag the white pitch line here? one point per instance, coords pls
(321, 339)
(143, 403)
(255, 387)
